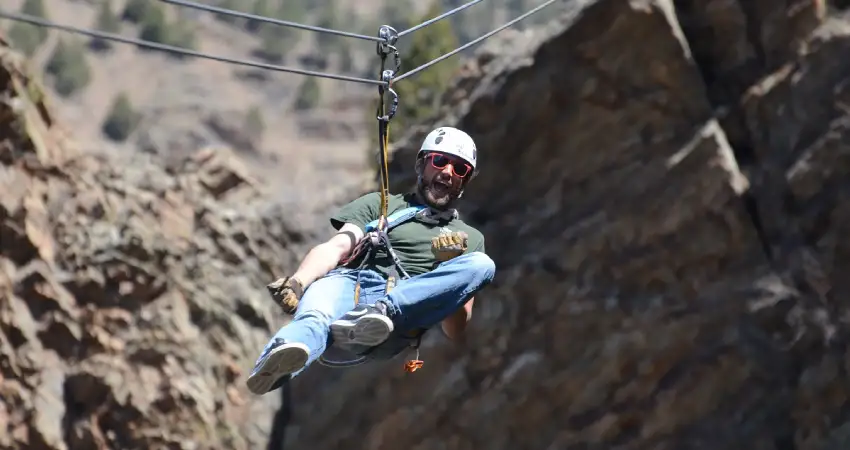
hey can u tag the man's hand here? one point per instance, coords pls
(448, 246)
(287, 293)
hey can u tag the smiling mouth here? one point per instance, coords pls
(440, 187)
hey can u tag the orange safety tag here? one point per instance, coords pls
(413, 365)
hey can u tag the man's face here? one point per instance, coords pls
(442, 179)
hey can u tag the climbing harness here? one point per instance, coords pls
(376, 237)
(367, 249)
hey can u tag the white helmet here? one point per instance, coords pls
(451, 141)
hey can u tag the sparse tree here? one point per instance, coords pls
(234, 5)
(107, 21)
(121, 120)
(181, 34)
(346, 57)
(309, 94)
(25, 37)
(273, 45)
(35, 8)
(422, 91)
(69, 67)
(154, 26)
(277, 41)
(137, 11)
(261, 8)
(254, 123)
(328, 17)
(396, 13)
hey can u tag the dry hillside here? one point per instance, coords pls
(186, 104)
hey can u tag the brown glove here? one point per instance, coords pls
(287, 293)
(448, 246)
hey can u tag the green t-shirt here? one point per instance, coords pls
(411, 240)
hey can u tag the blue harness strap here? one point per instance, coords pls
(397, 218)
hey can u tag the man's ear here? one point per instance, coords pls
(420, 165)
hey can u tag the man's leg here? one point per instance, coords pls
(300, 342)
(367, 324)
(424, 300)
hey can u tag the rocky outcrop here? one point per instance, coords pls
(664, 187)
(664, 190)
(131, 298)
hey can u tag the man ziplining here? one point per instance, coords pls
(352, 293)
(363, 293)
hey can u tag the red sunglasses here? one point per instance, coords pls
(440, 162)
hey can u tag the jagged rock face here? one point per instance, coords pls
(658, 287)
(131, 298)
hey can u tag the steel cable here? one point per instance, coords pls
(264, 19)
(440, 17)
(414, 71)
(182, 51)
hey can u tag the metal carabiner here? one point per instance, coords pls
(389, 36)
(396, 58)
(387, 77)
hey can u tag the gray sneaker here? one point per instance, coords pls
(278, 361)
(364, 325)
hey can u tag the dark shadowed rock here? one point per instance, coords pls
(663, 187)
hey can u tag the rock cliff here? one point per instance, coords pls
(131, 297)
(664, 189)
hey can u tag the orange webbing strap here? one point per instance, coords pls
(415, 364)
(384, 137)
(384, 118)
(356, 292)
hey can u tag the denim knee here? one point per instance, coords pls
(481, 266)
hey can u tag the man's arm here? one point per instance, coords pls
(454, 326)
(324, 257)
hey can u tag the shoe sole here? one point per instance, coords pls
(371, 330)
(280, 362)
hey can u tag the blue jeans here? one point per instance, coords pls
(420, 301)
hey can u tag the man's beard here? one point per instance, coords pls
(440, 201)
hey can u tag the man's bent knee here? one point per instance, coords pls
(320, 317)
(480, 265)
(325, 299)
